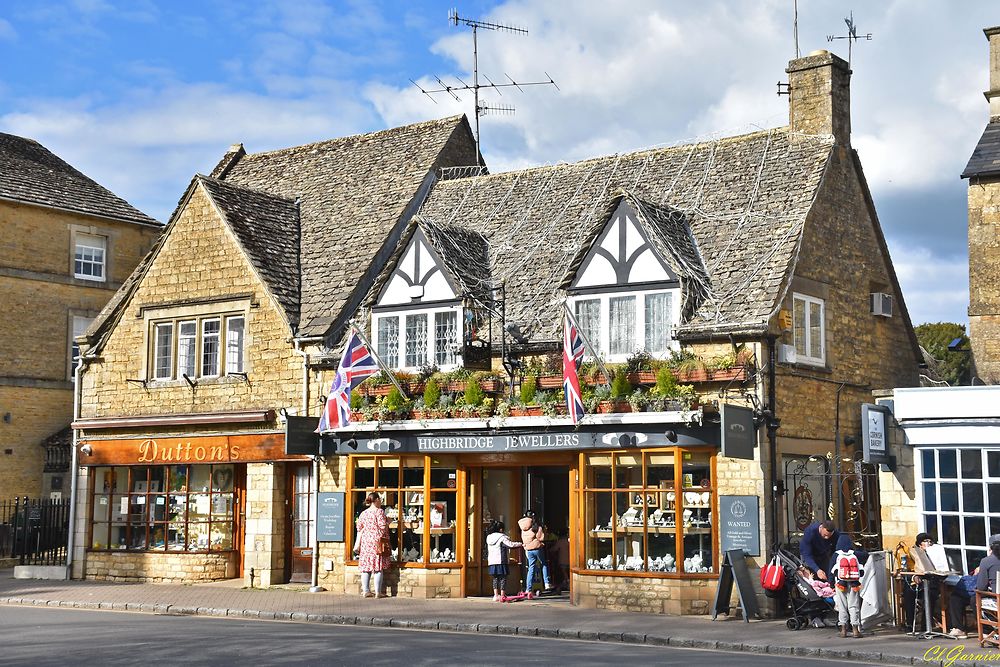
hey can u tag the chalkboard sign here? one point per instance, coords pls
(739, 526)
(734, 569)
(330, 518)
(301, 436)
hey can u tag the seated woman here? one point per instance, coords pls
(913, 587)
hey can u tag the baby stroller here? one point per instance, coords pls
(805, 602)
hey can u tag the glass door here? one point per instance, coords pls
(494, 494)
(302, 522)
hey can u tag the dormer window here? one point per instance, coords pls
(624, 295)
(417, 321)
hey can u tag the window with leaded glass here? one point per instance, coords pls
(163, 348)
(416, 340)
(445, 337)
(588, 316)
(388, 340)
(234, 344)
(657, 321)
(622, 324)
(187, 342)
(210, 347)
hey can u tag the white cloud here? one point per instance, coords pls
(7, 32)
(935, 289)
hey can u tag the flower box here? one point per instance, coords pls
(608, 407)
(641, 378)
(489, 386)
(525, 411)
(550, 381)
(707, 375)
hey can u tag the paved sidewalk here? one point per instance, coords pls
(545, 618)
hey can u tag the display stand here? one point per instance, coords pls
(734, 569)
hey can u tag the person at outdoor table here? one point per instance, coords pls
(912, 588)
(817, 547)
(963, 594)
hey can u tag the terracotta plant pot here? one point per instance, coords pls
(705, 375)
(525, 411)
(550, 381)
(642, 378)
(609, 407)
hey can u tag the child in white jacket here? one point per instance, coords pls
(497, 545)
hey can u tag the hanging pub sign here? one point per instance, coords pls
(875, 433)
(739, 434)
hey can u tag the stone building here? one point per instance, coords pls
(757, 260)
(190, 369)
(983, 172)
(67, 245)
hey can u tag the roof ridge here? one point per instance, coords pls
(243, 188)
(313, 144)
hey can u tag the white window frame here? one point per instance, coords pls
(401, 345)
(604, 344)
(809, 357)
(963, 545)
(78, 325)
(235, 354)
(91, 242)
(223, 364)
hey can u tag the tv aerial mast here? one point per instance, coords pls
(482, 108)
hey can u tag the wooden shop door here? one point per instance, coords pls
(301, 522)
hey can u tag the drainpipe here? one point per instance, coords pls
(835, 473)
(772, 438)
(315, 587)
(71, 541)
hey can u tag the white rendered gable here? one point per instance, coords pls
(622, 256)
(418, 278)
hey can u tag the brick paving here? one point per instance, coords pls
(545, 618)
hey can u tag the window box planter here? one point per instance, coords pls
(550, 381)
(608, 407)
(642, 378)
(706, 375)
(525, 411)
(489, 386)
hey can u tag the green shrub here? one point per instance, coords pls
(529, 387)
(620, 387)
(473, 393)
(395, 401)
(666, 383)
(432, 394)
(357, 399)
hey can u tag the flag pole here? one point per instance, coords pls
(378, 360)
(586, 343)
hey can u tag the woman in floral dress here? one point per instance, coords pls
(373, 533)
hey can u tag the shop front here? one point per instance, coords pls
(193, 507)
(638, 508)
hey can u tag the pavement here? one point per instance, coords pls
(552, 618)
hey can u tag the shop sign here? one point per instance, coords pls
(739, 527)
(739, 434)
(193, 449)
(330, 517)
(301, 436)
(525, 442)
(874, 434)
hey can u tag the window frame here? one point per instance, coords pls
(100, 242)
(807, 357)
(603, 344)
(402, 491)
(149, 498)
(221, 338)
(585, 492)
(431, 340)
(74, 349)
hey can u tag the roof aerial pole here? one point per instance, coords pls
(482, 108)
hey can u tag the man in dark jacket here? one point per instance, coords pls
(817, 547)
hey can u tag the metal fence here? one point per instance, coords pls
(35, 531)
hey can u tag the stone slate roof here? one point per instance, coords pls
(355, 195)
(31, 173)
(743, 200)
(268, 230)
(985, 160)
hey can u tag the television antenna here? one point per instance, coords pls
(851, 36)
(482, 108)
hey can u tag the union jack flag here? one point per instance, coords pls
(356, 364)
(572, 356)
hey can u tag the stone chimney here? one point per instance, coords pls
(819, 96)
(993, 94)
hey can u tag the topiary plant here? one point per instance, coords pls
(395, 401)
(473, 393)
(432, 394)
(529, 387)
(620, 387)
(666, 383)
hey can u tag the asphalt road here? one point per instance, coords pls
(51, 636)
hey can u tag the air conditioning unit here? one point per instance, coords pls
(786, 354)
(881, 304)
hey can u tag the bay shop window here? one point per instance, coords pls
(419, 495)
(649, 511)
(163, 508)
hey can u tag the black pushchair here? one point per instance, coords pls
(803, 599)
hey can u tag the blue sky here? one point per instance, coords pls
(142, 94)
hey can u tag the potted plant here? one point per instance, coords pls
(621, 389)
(640, 368)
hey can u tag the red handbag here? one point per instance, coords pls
(772, 576)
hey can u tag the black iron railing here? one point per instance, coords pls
(35, 531)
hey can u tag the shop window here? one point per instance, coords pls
(649, 511)
(195, 346)
(163, 508)
(420, 502)
(959, 499)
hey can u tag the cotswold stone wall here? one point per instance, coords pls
(36, 277)
(984, 278)
(650, 595)
(160, 567)
(410, 582)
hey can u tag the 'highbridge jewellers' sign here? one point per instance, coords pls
(520, 442)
